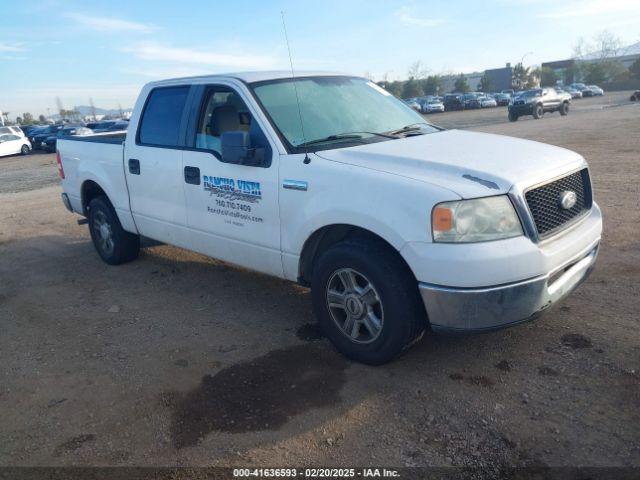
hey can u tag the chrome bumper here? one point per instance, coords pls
(461, 310)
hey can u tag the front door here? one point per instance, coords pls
(232, 208)
(153, 167)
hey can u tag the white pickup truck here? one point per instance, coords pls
(328, 180)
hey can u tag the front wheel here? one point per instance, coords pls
(538, 112)
(25, 150)
(367, 301)
(114, 245)
(513, 117)
(564, 108)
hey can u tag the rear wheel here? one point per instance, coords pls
(25, 150)
(538, 112)
(114, 245)
(513, 117)
(367, 301)
(564, 108)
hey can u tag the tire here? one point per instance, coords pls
(513, 117)
(564, 108)
(379, 302)
(114, 245)
(25, 150)
(538, 112)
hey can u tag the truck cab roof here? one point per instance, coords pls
(250, 77)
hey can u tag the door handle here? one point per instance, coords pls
(295, 185)
(192, 175)
(134, 166)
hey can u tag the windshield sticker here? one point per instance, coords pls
(379, 89)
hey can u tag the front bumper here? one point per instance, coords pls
(466, 310)
(524, 109)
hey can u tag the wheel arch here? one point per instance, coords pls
(89, 190)
(325, 237)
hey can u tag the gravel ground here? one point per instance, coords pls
(177, 359)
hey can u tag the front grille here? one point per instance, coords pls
(544, 202)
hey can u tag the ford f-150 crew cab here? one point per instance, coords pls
(397, 226)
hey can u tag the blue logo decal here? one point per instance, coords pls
(231, 189)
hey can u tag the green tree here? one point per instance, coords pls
(42, 118)
(521, 76)
(19, 120)
(461, 84)
(394, 88)
(432, 85)
(548, 77)
(485, 83)
(595, 72)
(411, 88)
(27, 118)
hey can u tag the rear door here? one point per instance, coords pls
(153, 166)
(232, 208)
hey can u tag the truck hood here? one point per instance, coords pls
(468, 163)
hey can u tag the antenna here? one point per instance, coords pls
(295, 88)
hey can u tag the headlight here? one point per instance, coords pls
(476, 220)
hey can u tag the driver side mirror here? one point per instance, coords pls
(236, 148)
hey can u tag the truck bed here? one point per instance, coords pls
(99, 159)
(117, 138)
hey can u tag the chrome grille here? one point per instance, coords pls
(544, 202)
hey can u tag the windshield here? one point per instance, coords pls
(332, 107)
(531, 93)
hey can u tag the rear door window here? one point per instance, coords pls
(160, 124)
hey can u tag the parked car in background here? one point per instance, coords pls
(38, 139)
(413, 104)
(28, 129)
(537, 102)
(102, 126)
(575, 93)
(597, 91)
(502, 99)
(487, 101)
(51, 142)
(582, 88)
(635, 96)
(508, 91)
(453, 101)
(433, 105)
(118, 126)
(472, 100)
(11, 130)
(10, 144)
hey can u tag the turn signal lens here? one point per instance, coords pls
(442, 219)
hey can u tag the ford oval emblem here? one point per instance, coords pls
(568, 199)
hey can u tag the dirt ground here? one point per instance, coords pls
(177, 359)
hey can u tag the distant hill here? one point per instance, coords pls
(86, 110)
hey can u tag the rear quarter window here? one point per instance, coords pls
(160, 124)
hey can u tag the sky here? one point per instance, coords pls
(107, 50)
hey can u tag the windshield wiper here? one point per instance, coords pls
(345, 136)
(413, 127)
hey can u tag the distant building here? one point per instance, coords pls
(566, 70)
(500, 78)
(473, 80)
